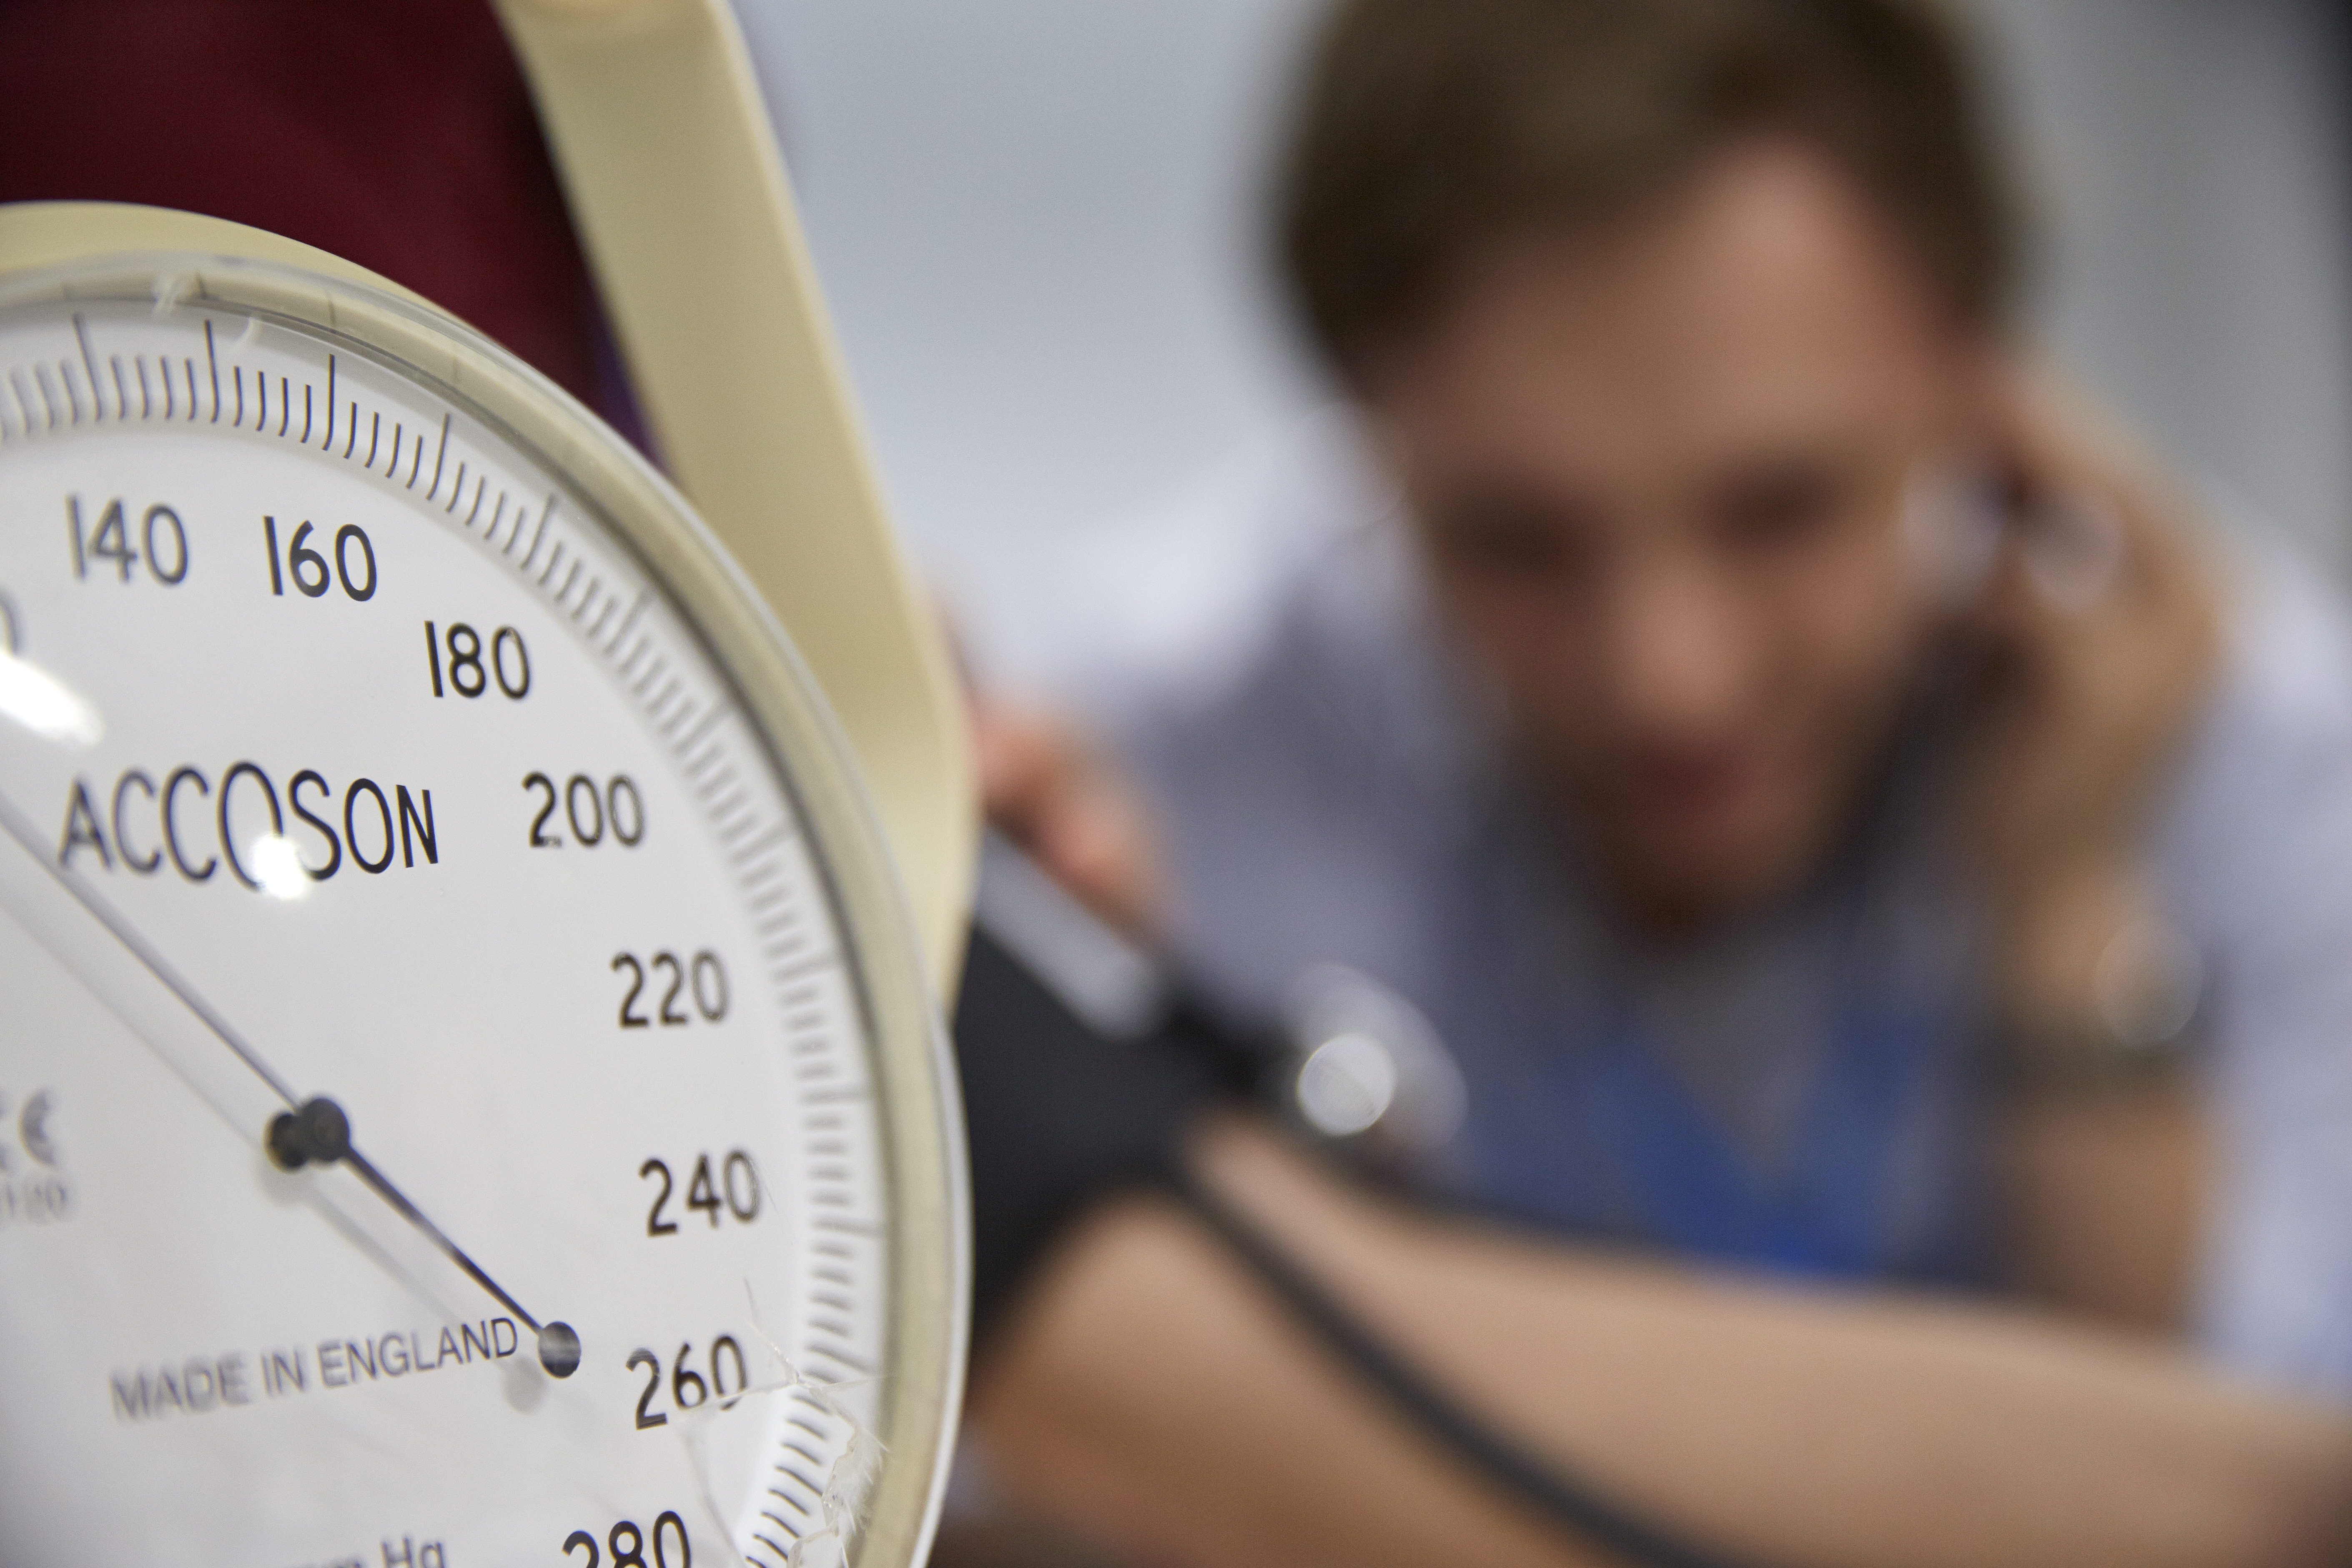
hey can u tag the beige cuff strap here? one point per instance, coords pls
(51, 234)
(677, 189)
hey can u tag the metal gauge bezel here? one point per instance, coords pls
(918, 1111)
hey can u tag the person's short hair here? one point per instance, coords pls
(1427, 128)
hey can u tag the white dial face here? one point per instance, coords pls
(346, 756)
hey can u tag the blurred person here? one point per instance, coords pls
(1852, 819)
(1735, 694)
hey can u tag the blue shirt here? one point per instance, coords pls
(1801, 1089)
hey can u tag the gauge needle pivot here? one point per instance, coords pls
(312, 1131)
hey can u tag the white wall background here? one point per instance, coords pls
(1038, 225)
(2191, 158)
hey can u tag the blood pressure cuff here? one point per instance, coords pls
(1059, 1115)
(1062, 1115)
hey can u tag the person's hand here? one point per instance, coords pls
(2101, 624)
(2102, 627)
(1059, 800)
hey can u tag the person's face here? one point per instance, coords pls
(1659, 476)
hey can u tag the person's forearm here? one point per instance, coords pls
(1153, 1391)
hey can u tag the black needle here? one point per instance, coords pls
(313, 1131)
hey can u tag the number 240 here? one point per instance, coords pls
(739, 1179)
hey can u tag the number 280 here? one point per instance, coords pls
(633, 1555)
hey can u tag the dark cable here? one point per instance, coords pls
(1561, 1498)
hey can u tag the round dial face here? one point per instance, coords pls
(443, 1118)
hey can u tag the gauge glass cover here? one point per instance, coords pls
(375, 727)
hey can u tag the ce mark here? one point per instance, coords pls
(33, 1128)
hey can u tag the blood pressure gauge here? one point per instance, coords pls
(468, 1093)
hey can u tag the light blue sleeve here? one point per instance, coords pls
(2257, 858)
